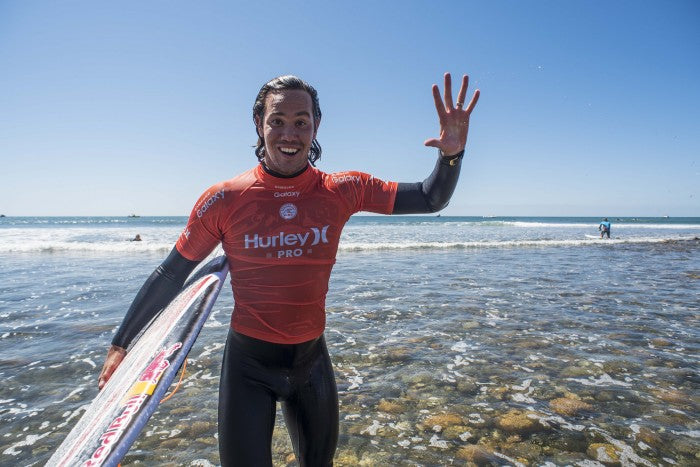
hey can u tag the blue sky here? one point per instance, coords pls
(587, 107)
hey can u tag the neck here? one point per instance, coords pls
(279, 175)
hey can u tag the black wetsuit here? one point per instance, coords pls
(256, 374)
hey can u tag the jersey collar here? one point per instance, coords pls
(298, 183)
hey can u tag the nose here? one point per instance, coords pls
(289, 133)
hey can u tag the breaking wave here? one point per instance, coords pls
(164, 247)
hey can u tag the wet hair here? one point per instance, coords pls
(283, 83)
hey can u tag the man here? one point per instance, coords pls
(604, 228)
(280, 224)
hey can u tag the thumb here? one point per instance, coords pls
(102, 380)
(106, 374)
(115, 355)
(432, 142)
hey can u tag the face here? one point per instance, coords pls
(288, 129)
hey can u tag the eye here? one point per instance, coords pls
(302, 123)
(275, 122)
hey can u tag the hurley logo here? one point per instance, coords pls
(287, 239)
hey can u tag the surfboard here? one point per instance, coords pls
(117, 415)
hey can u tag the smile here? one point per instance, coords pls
(288, 151)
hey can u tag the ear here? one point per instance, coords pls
(317, 123)
(258, 126)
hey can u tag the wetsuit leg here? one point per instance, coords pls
(255, 374)
(246, 413)
(311, 411)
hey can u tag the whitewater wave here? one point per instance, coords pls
(621, 225)
(507, 244)
(57, 247)
(164, 247)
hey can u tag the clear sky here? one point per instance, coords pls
(587, 107)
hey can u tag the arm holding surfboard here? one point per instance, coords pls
(160, 288)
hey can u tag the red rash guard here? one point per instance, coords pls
(280, 236)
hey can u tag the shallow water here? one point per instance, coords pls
(548, 355)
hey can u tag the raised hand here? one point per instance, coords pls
(454, 121)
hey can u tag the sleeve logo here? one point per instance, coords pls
(211, 200)
(344, 178)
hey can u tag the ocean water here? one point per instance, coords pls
(495, 341)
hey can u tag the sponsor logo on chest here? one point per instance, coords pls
(287, 239)
(287, 194)
(288, 211)
(288, 245)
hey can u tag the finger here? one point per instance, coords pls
(462, 91)
(439, 106)
(104, 377)
(433, 143)
(472, 103)
(448, 92)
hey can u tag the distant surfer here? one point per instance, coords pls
(604, 227)
(137, 238)
(280, 224)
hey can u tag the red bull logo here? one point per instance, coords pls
(139, 392)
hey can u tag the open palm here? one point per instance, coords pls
(454, 121)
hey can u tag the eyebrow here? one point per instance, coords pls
(303, 112)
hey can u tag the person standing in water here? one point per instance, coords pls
(604, 228)
(280, 224)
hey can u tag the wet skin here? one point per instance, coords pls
(288, 129)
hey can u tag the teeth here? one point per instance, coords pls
(289, 150)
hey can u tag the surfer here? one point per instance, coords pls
(604, 228)
(280, 225)
(137, 238)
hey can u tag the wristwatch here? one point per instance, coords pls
(453, 159)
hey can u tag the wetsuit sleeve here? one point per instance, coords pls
(161, 287)
(433, 193)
